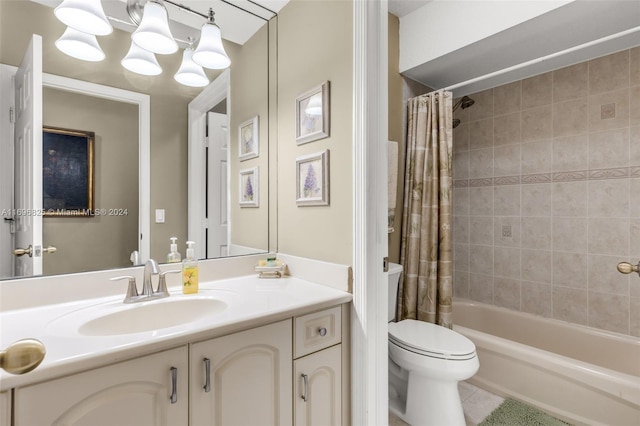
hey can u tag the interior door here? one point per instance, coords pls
(217, 197)
(28, 162)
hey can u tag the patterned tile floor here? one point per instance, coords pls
(477, 405)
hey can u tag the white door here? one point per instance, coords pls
(217, 200)
(28, 161)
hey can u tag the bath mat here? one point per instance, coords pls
(515, 413)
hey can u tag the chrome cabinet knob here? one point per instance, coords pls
(322, 331)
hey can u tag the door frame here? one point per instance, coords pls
(143, 101)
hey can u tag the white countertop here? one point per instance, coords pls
(251, 302)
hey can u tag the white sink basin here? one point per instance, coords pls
(116, 318)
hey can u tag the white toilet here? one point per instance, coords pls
(426, 362)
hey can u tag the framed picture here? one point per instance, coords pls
(312, 179)
(312, 114)
(249, 187)
(248, 141)
(67, 172)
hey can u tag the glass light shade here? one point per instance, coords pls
(210, 51)
(84, 15)
(141, 61)
(190, 73)
(153, 33)
(80, 45)
(314, 107)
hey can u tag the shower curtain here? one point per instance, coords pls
(426, 289)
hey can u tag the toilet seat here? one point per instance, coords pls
(431, 340)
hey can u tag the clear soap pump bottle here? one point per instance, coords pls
(174, 254)
(190, 271)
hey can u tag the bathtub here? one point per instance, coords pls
(580, 374)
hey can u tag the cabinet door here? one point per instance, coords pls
(317, 388)
(249, 377)
(135, 393)
(5, 408)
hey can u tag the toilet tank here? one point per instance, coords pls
(394, 278)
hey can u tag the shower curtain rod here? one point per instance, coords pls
(544, 58)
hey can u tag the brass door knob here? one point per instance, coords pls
(21, 252)
(627, 268)
(50, 249)
(22, 356)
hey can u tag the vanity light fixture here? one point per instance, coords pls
(141, 61)
(190, 73)
(210, 52)
(80, 45)
(84, 15)
(153, 33)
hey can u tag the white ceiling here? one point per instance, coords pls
(404, 7)
(237, 24)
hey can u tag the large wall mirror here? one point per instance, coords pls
(232, 185)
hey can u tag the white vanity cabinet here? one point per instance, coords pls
(5, 408)
(318, 369)
(135, 392)
(243, 378)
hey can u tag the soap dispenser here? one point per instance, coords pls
(174, 254)
(190, 271)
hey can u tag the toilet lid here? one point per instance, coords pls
(431, 340)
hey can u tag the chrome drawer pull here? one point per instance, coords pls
(207, 375)
(174, 385)
(305, 387)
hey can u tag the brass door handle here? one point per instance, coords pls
(627, 268)
(21, 252)
(50, 249)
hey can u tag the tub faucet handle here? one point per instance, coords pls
(627, 268)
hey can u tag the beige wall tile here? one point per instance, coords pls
(536, 199)
(604, 277)
(536, 233)
(609, 236)
(506, 231)
(570, 234)
(609, 198)
(634, 106)
(461, 256)
(535, 298)
(460, 201)
(634, 146)
(461, 284)
(481, 259)
(634, 243)
(506, 262)
(536, 123)
(609, 312)
(506, 160)
(506, 200)
(570, 117)
(619, 98)
(481, 163)
(537, 157)
(609, 149)
(461, 229)
(483, 106)
(481, 230)
(461, 165)
(634, 65)
(570, 269)
(481, 201)
(571, 153)
(634, 320)
(506, 293)
(537, 91)
(481, 133)
(461, 137)
(571, 82)
(506, 98)
(569, 198)
(506, 129)
(576, 311)
(609, 72)
(536, 265)
(481, 288)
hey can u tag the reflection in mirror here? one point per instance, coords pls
(95, 243)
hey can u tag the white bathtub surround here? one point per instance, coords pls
(576, 373)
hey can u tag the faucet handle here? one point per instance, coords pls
(132, 290)
(162, 283)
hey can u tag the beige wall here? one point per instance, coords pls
(98, 242)
(315, 45)
(396, 131)
(545, 198)
(250, 98)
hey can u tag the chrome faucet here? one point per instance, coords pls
(151, 268)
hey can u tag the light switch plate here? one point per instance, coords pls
(159, 215)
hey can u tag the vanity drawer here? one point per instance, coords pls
(316, 331)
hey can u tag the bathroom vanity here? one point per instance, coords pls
(277, 354)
